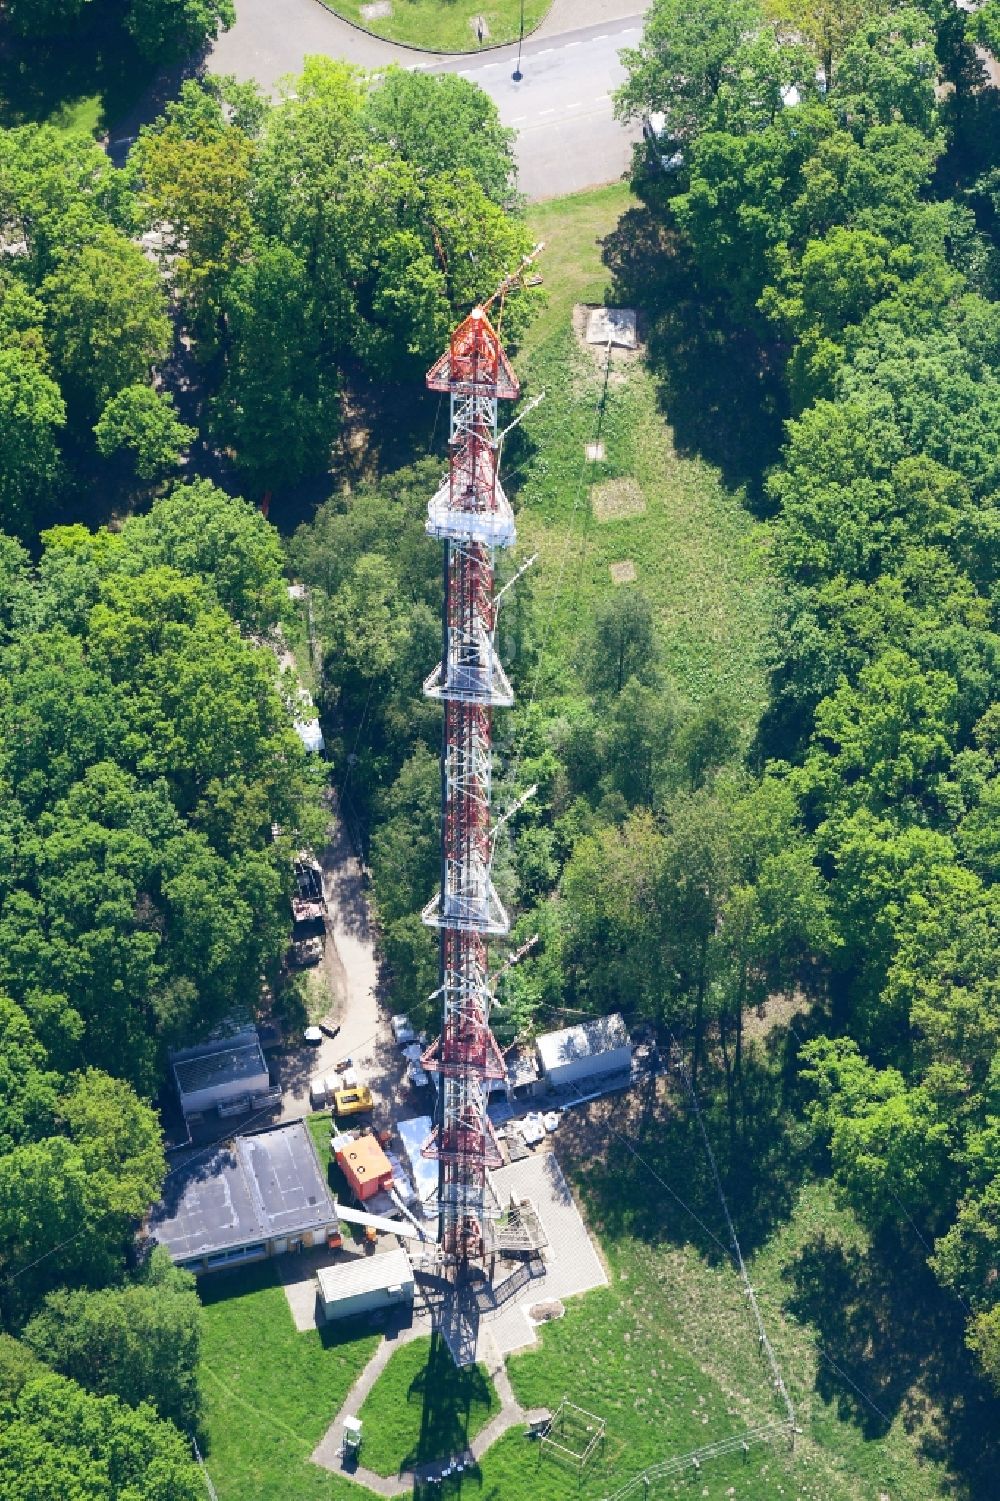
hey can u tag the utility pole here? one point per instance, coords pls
(518, 75)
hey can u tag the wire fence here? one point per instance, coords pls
(695, 1458)
(213, 1493)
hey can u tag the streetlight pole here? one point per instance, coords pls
(518, 75)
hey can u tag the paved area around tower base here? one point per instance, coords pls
(570, 1264)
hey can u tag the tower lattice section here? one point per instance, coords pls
(473, 517)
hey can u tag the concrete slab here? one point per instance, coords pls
(498, 1310)
(298, 1278)
(612, 325)
(571, 1262)
(617, 500)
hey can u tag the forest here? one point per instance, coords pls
(235, 316)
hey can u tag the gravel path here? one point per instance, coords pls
(328, 1452)
(350, 967)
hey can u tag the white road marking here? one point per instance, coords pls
(546, 52)
(570, 45)
(546, 111)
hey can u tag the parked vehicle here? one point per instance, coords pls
(329, 1030)
(353, 1101)
(305, 952)
(313, 1036)
(308, 902)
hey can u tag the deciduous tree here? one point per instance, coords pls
(141, 424)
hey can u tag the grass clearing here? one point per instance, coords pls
(271, 1392)
(423, 1408)
(320, 1127)
(296, 634)
(443, 25)
(698, 555)
(668, 1355)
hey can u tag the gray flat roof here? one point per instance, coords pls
(226, 1062)
(244, 1191)
(602, 1035)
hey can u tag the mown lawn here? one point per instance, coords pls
(695, 551)
(446, 25)
(270, 1392)
(423, 1408)
(668, 1356)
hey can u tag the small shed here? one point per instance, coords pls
(226, 1074)
(365, 1284)
(364, 1165)
(585, 1052)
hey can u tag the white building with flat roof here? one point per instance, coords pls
(584, 1052)
(365, 1284)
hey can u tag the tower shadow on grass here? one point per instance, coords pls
(448, 1395)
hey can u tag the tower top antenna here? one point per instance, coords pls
(515, 276)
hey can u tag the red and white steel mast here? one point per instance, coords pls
(473, 517)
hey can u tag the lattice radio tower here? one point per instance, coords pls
(473, 517)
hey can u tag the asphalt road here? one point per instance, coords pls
(568, 138)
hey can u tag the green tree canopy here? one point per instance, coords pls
(58, 1441)
(139, 1342)
(684, 60)
(31, 414)
(105, 317)
(441, 122)
(168, 29)
(142, 425)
